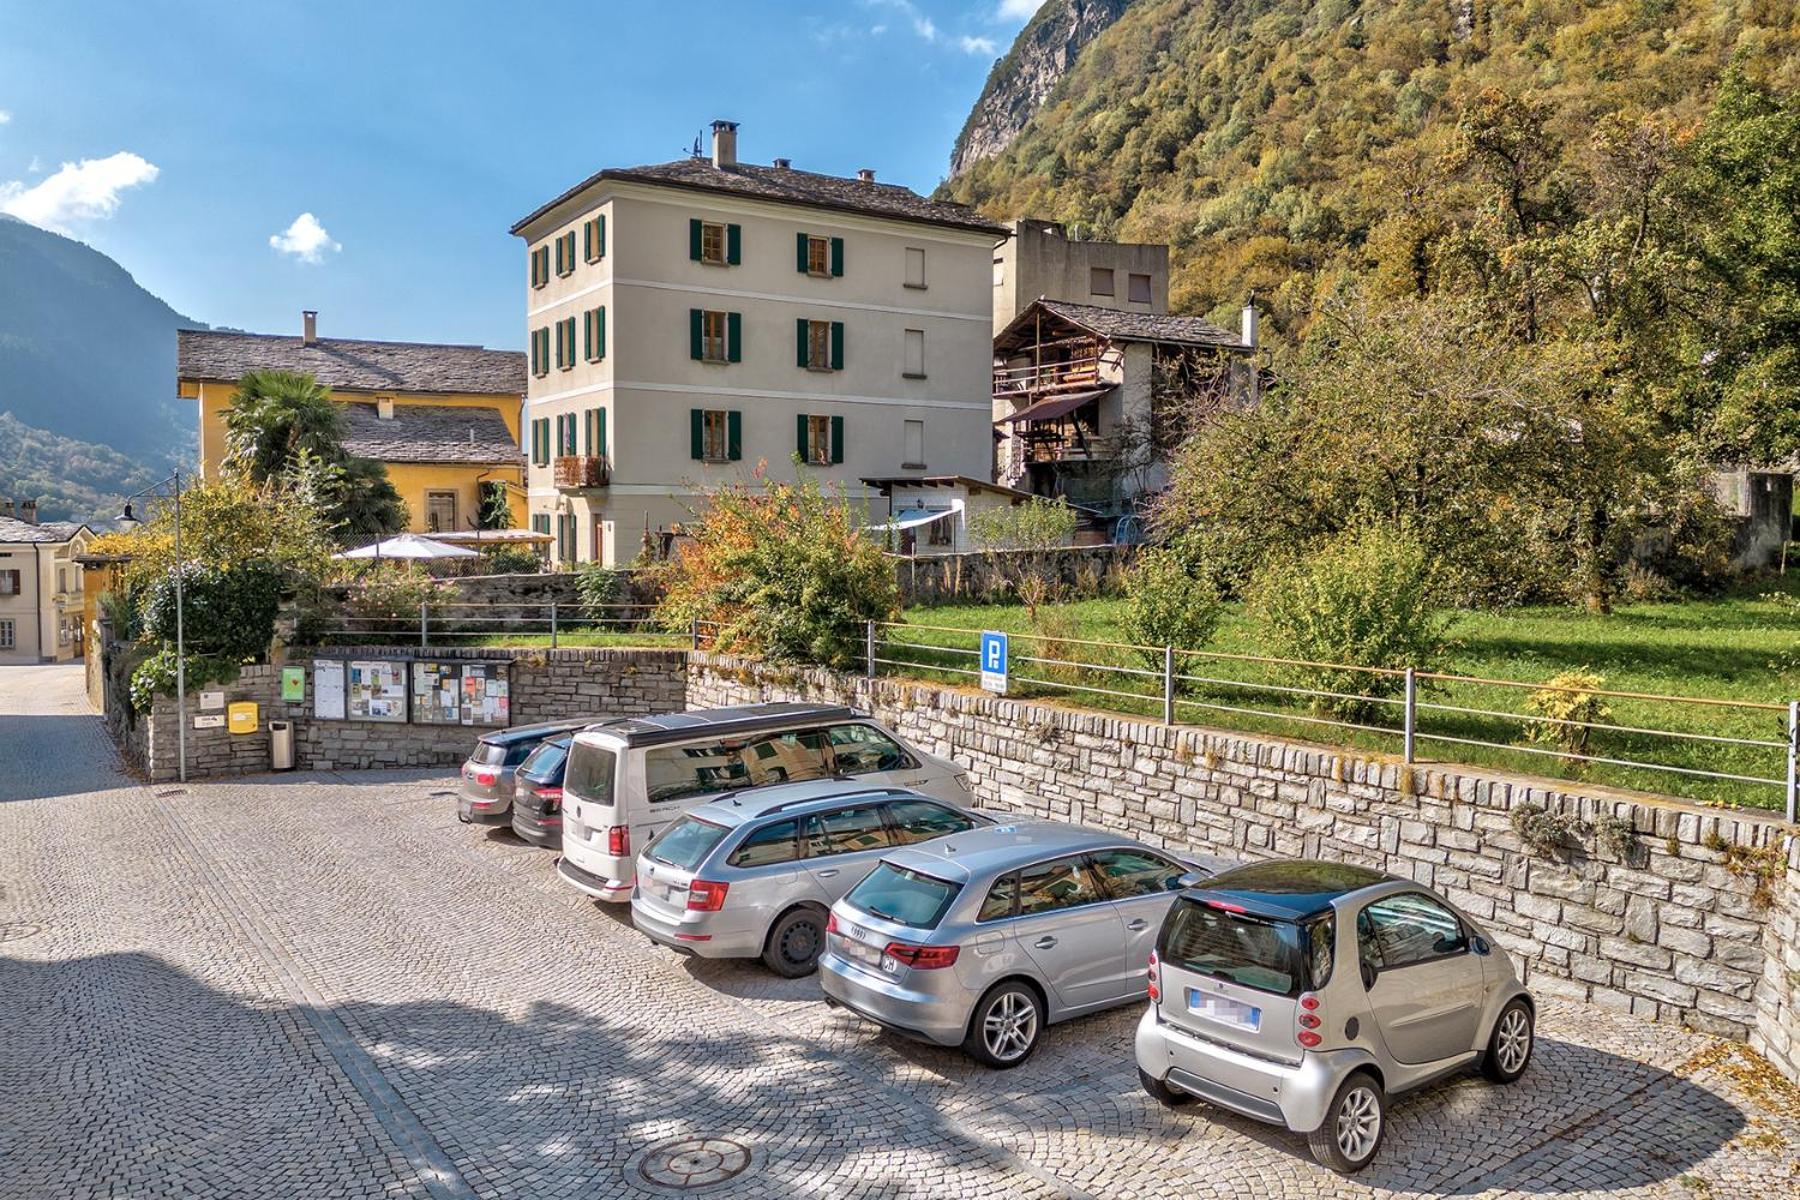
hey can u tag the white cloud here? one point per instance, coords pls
(977, 45)
(84, 191)
(1017, 10)
(927, 29)
(5, 116)
(305, 239)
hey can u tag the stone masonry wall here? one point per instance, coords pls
(1776, 1032)
(1078, 571)
(1674, 934)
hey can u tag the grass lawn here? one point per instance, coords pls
(1724, 648)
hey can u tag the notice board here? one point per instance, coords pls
(328, 689)
(376, 691)
(460, 693)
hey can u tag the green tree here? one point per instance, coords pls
(276, 416)
(1038, 524)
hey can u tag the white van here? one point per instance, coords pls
(627, 779)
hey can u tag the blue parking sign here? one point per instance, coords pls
(993, 661)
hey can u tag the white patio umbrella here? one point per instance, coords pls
(408, 545)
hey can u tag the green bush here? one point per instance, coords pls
(1167, 605)
(155, 676)
(1569, 696)
(226, 612)
(1038, 524)
(388, 600)
(511, 560)
(599, 587)
(1360, 598)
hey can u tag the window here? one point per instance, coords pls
(540, 266)
(1399, 931)
(915, 354)
(565, 253)
(904, 896)
(777, 843)
(540, 351)
(818, 256)
(1100, 281)
(1139, 286)
(816, 443)
(1060, 883)
(1245, 949)
(920, 820)
(860, 749)
(1002, 899)
(593, 334)
(819, 345)
(9, 583)
(686, 843)
(915, 267)
(846, 831)
(565, 433)
(1129, 873)
(714, 243)
(8, 634)
(715, 336)
(593, 238)
(594, 428)
(787, 757)
(592, 769)
(540, 523)
(673, 772)
(540, 444)
(940, 532)
(913, 443)
(440, 512)
(565, 344)
(565, 538)
(716, 436)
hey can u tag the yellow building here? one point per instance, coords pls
(444, 420)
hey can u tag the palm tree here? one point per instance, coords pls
(274, 416)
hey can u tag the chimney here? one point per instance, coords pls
(724, 144)
(867, 174)
(782, 164)
(309, 327)
(384, 408)
(6, 509)
(28, 511)
(1247, 323)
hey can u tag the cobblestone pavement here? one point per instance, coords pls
(322, 985)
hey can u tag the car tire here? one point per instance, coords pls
(1006, 1027)
(1510, 1045)
(1161, 1092)
(794, 943)
(1354, 1125)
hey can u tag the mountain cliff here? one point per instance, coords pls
(1020, 82)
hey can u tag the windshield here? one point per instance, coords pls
(903, 896)
(546, 762)
(589, 773)
(1256, 952)
(685, 843)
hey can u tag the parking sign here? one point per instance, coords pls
(993, 661)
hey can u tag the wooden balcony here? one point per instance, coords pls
(1048, 379)
(573, 472)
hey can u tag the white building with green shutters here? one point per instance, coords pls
(691, 320)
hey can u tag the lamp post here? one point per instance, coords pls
(173, 482)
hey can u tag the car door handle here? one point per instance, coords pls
(828, 872)
(1137, 923)
(1045, 943)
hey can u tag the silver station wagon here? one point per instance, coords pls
(756, 874)
(1305, 993)
(981, 939)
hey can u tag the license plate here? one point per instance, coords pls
(1224, 1010)
(851, 939)
(574, 828)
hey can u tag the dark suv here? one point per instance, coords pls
(537, 793)
(486, 794)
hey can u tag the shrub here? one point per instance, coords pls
(387, 602)
(1616, 836)
(599, 586)
(1360, 598)
(780, 570)
(1165, 605)
(511, 560)
(1548, 833)
(1037, 524)
(155, 675)
(227, 613)
(1569, 697)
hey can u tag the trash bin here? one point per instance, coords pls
(281, 745)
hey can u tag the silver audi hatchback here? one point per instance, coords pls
(1306, 993)
(983, 938)
(755, 874)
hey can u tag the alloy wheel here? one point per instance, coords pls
(1514, 1042)
(1010, 1026)
(1359, 1124)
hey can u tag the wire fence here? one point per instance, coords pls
(1732, 751)
(550, 624)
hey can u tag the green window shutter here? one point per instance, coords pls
(837, 439)
(600, 235)
(694, 241)
(800, 436)
(837, 256)
(559, 254)
(734, 239)
(837, 345)
(600, 431)
(587, 432)
(696, 335)
(734, 435)
(802, 329)
(801, 254)
(587, 334)
(697, 420)
(600, 332)
(734, 337)
(587, 240)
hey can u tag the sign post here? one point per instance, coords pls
(993, 662)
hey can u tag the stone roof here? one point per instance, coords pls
(218, 356)
(785, 185)
(1143, 327)
(430, 433)
(14, 530)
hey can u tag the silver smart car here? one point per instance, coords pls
(1305, 993)
(755, 874)
(982, 938)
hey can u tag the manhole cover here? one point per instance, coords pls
(689, 1163)
(18, 931)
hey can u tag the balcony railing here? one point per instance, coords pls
(1074, 375)
(575, 471)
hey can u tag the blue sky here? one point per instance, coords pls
(189, 139)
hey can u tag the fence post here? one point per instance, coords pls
(694, 631)
(553, 624)
(869, 649)
(424, 621)
(1168, 685)
(1412, 711)
(1793, 774)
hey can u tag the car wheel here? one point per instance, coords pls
(1007, 1026)
(1353, 1126)
(1509, 1046)
(1161, 1092)
(795, 943)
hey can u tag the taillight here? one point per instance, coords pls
(618, 841)
(831, 925)
(1155, 979)
(704, 896)
(924, 958)
(547, 793)
(1309, 1018)
(486, 778)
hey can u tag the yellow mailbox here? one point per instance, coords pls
(240, 716)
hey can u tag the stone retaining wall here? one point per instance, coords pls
(1777, 1030)
(1673, 934)
(1077, 572)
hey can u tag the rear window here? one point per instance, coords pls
(589, 773)
(1255, 952)
(487, 754)
(904, 896)
(546, 762)
(685, 843)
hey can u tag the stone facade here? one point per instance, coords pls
(1673, 934)
(1776, 1032)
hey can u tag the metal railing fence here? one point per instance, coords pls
(506, 623)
